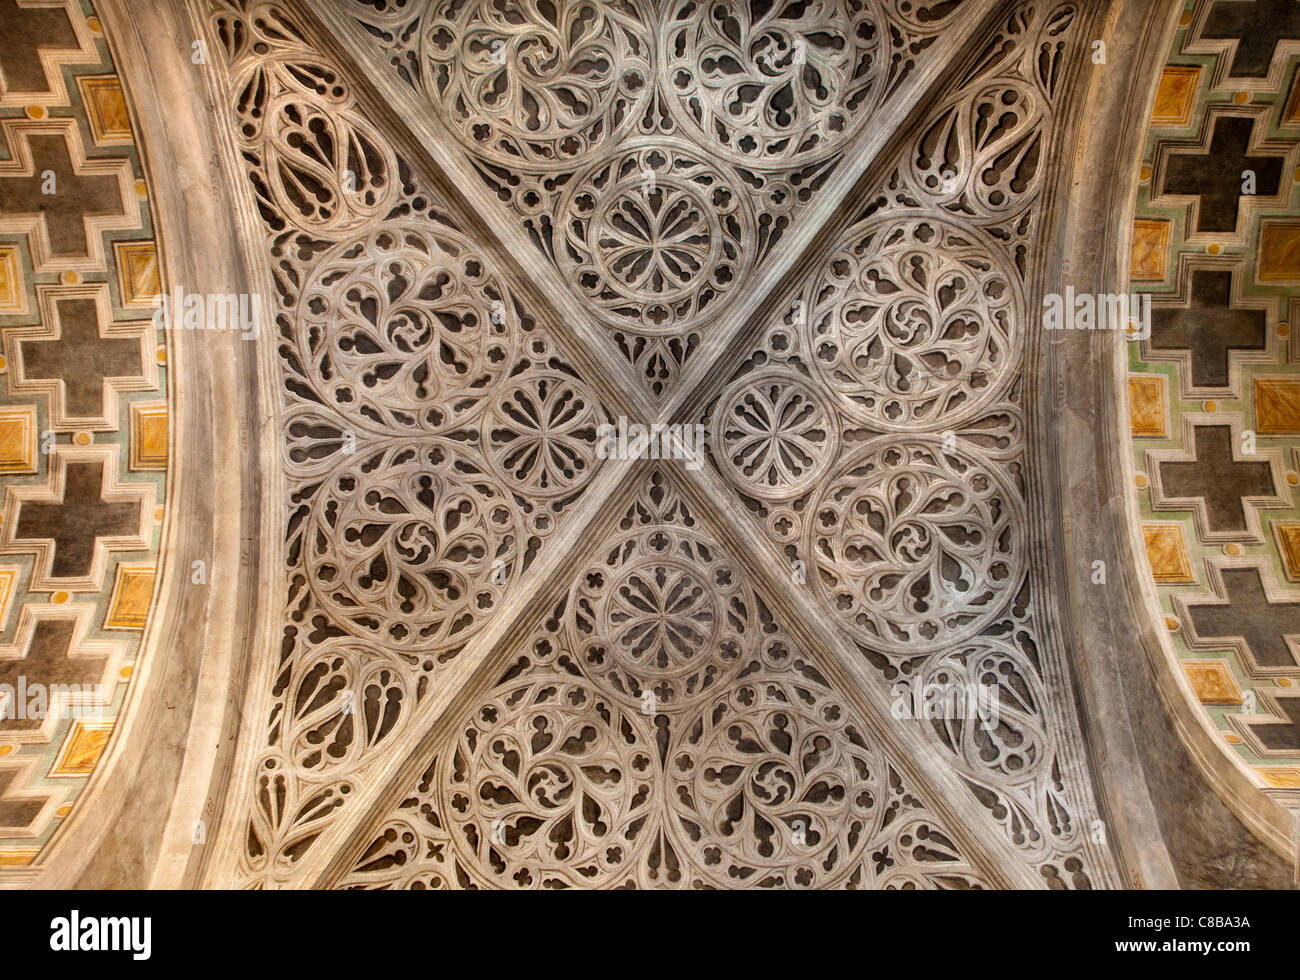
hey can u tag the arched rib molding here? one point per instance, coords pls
(1184, 812)
(138, 824)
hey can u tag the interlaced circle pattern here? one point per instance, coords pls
(655, 712)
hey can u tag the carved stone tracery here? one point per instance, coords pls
(656, 153)
(913, 322)
(916, 548)
(698, 747)
(908, 343)
(435, 434)
(660, 727)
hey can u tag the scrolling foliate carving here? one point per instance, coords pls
(660, 729)
(656, 153)
(916, 547)
(877, 430)
(434, 433)
(344, 699)
(914, 322)
(322, 167)
(1020, 748)
(981, 154)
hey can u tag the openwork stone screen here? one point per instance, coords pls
(540, 630)
(511, 657)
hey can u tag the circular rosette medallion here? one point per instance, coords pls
(405, 328)
(546, 787)
(913, 322)
(772, 786)
(540, 434)
(775, 435)
(534, 82)
(916, 548)
(773, 83)
(656, 238)
(404, 550)
(662, 620)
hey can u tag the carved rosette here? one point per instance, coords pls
(916, 548)
(760, 84)
(775, 788)
(548, 786)
(404, 327)
(402, 549)
(656, 238)
(540, 433)
(775, 434)
(914, 322)
(531, 82)
(662, 620)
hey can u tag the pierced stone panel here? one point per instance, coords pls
(661, 729)
(655, 152)
(914, 322)
(915, 544)
(645, 616)
(661, 726)
(767, 82)
(775, 434)
(435, 434)
(401, 544)
(529, 82)
(404, 328)
(655, 238)
(876, 430)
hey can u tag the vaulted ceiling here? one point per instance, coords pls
(404, 622)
